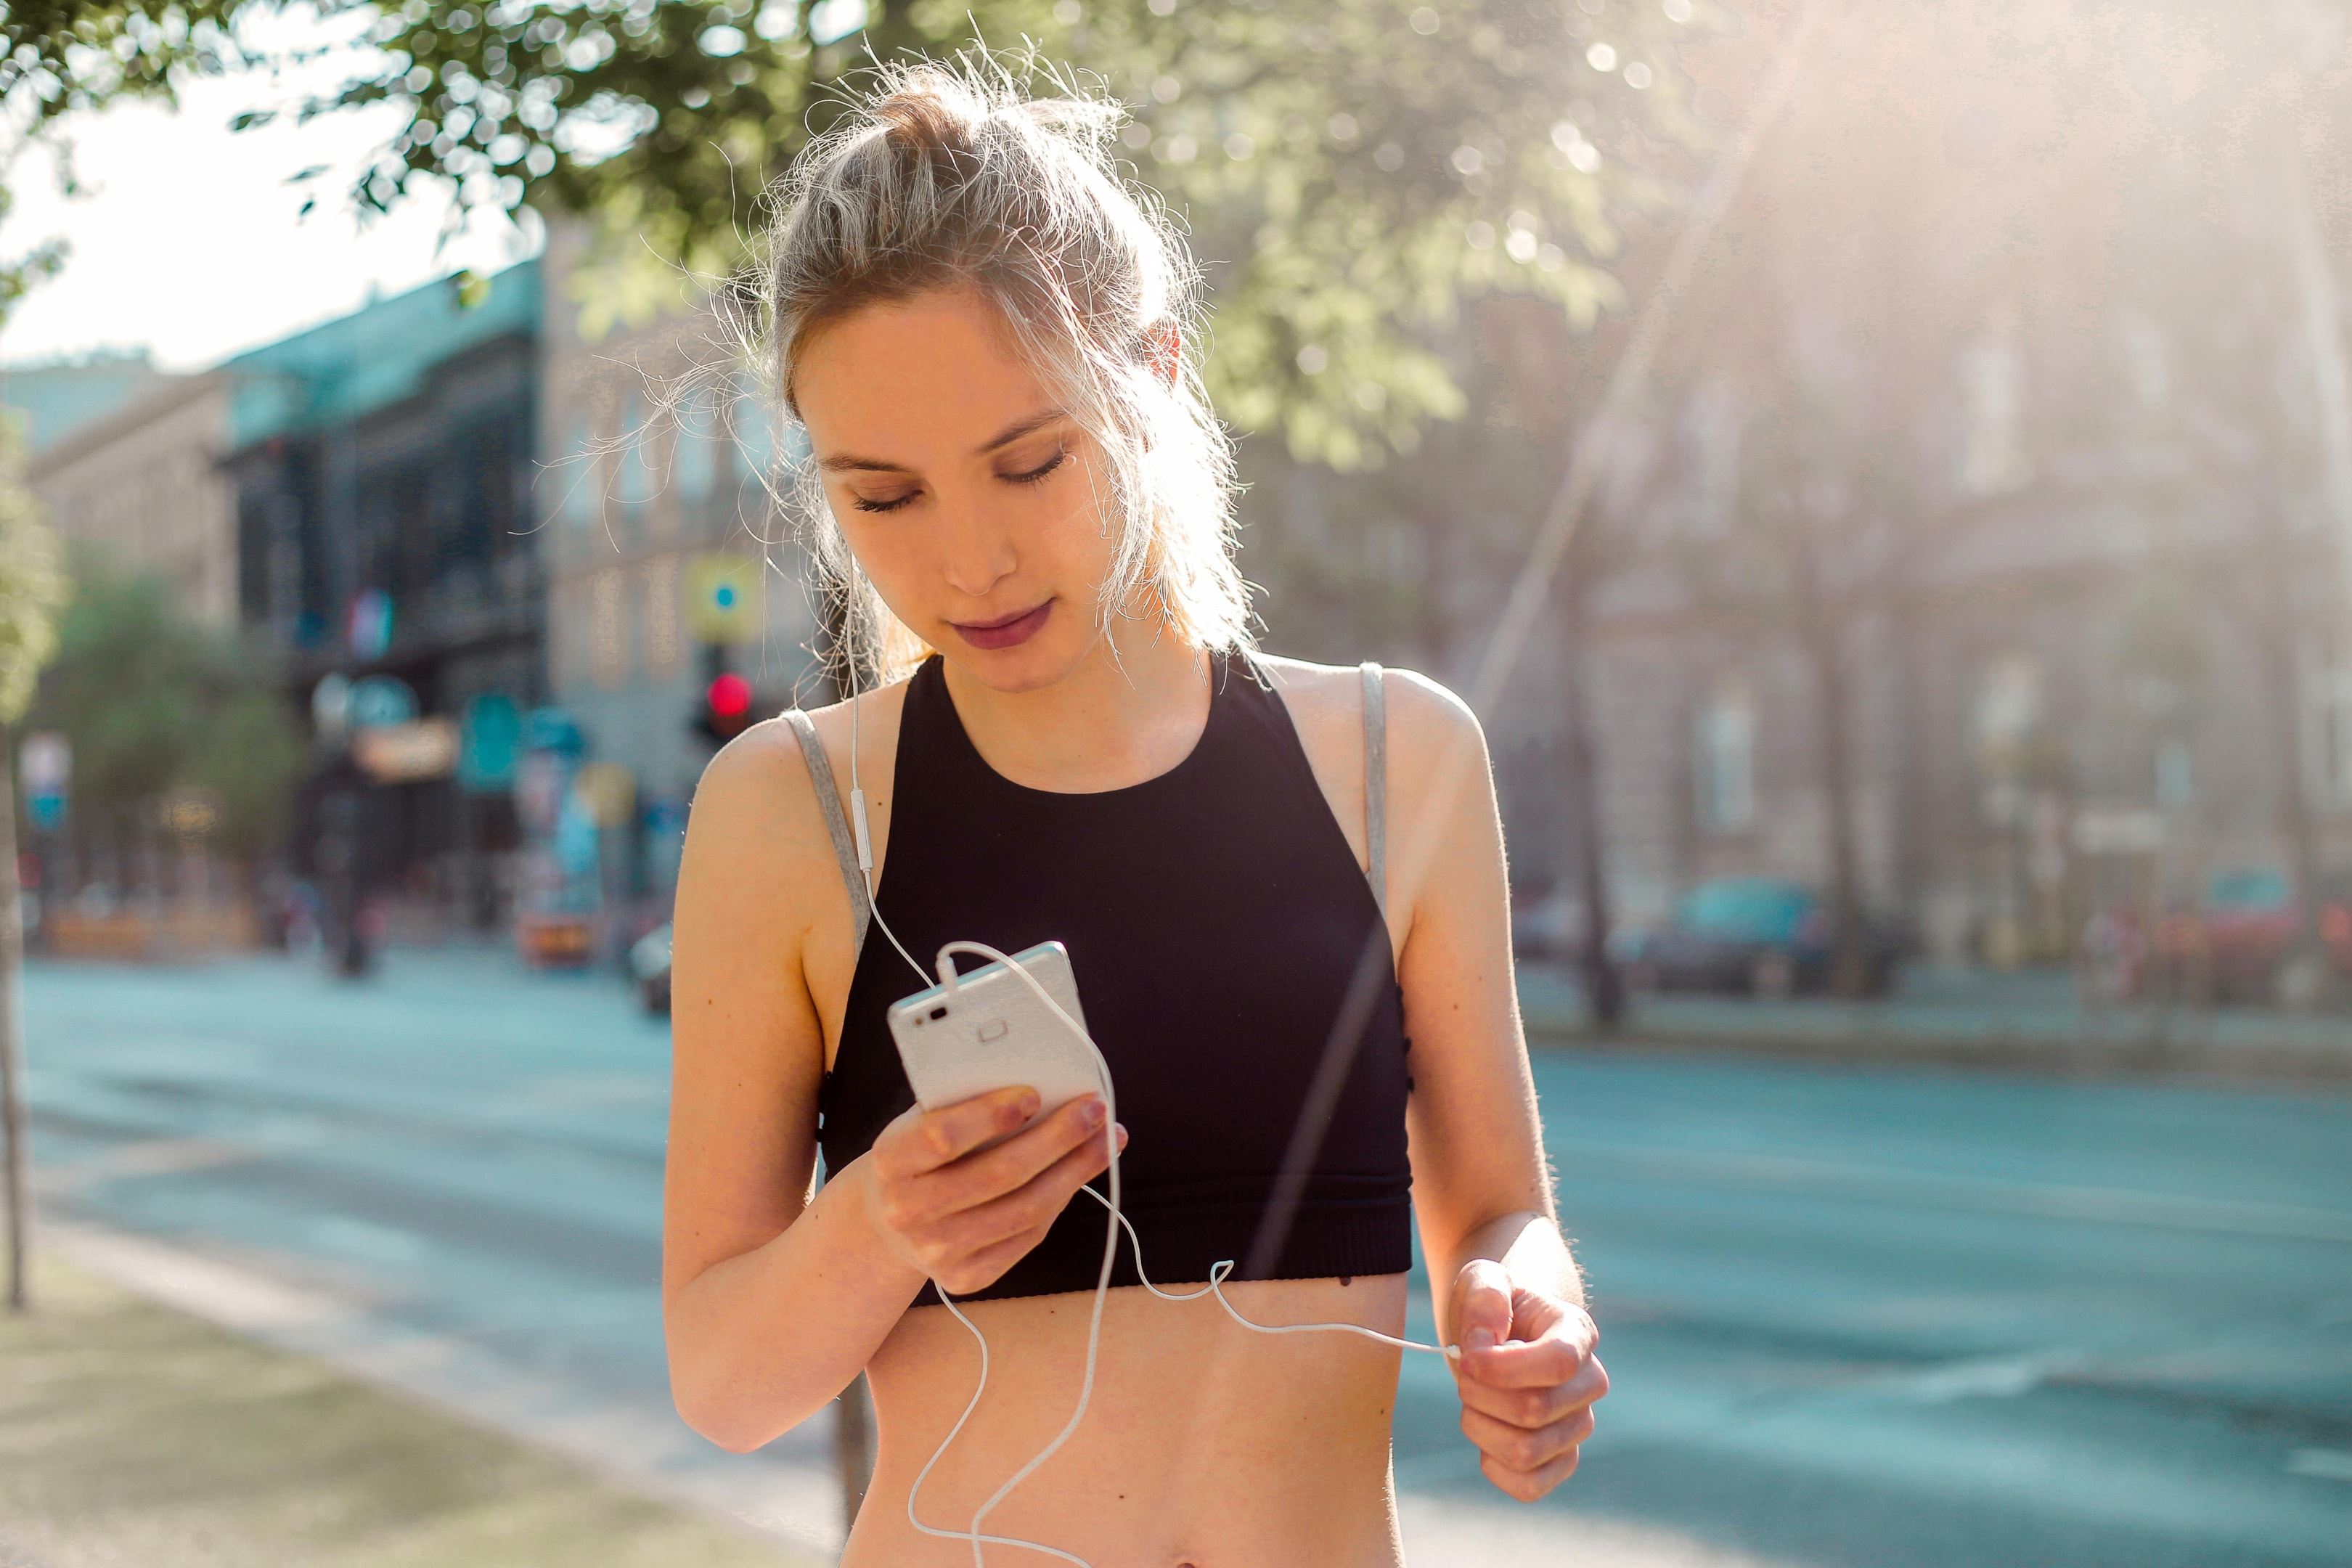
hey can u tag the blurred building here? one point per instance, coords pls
(1984, 541)
(667, 564)
(53, 398)
(382, 467)
(127, 459)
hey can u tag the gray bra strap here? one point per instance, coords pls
(1376, 787)
(828, 801)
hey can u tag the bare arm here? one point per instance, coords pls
(773, 1301)
(1506, 1288)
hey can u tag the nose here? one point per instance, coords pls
(976, 552)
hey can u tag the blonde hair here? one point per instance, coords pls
(947, 177)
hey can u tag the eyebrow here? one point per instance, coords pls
(1027, 425)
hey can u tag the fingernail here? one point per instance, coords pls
(1092, 1113)
(1122, 1134)
(1478, 1340)
(1026, 1106)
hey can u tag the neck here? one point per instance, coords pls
(1116, 720)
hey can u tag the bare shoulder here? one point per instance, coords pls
(765, 767)
(754, 812)
(1424, 718)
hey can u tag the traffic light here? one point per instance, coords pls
(726, 708)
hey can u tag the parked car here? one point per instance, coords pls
(2245, 937)
(649, 964)
(1767, 936)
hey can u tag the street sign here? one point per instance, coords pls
(722, 597)
(607, 792)
(402, 754)
(330, 705)
(368, 626)
(45, 763)
(553, 730)
(492, 736)
(379, 699)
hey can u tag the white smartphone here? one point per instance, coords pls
(991, 1032)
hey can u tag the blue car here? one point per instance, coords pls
(1765, 936)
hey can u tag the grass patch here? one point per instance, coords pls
(132, 1436)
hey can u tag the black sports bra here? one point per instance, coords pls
(1234, 961)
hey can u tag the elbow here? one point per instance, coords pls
(731, 1424)
(737, 1414)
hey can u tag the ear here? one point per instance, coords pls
(1164, 351)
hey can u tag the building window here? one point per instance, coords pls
(2327, 694)
(637, 484)
(577, 474)
(698, 449)
(754, 431)
(664, 613)
(1726, 757)
(608, 647)
(1993, 414)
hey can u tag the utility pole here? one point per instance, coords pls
(12, 1044)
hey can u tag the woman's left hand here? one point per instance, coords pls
(1528, 1376)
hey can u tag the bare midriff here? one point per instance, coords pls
(1205, 1445)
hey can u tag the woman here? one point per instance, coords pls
(984, 336)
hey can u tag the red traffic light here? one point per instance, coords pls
(730, 697)
(726, 711)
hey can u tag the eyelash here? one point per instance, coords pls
(1034, 475)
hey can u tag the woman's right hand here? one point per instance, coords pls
(964, 1218)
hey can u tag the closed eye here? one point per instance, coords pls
(865, 503)
(1031, 476)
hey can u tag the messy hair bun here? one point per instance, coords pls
(947, 177)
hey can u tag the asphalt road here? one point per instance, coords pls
(1855, 1316)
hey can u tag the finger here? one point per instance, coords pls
(1482, 1304)
(925, 1139)
(1546, 1362)
(979, 1271)
(1527, 1486)
(1036, 1203)
(1008, 1166)
(1519, 1448)
(1533, 1407)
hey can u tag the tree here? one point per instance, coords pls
(31, 588)
(153, 703)
(69, 57)
(1353, 170)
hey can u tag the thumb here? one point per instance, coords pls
(1482, 1304)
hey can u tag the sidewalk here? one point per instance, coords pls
(2029, 1020)
(131, 1434)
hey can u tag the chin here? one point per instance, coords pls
(1040, 662)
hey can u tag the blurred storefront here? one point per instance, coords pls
(382, 467)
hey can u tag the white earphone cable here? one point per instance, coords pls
(1114, 1223)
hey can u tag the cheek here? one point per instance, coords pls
(1070, 524)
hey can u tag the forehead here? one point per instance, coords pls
(914, 379)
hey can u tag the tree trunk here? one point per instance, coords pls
(1604, 987)
(12, 1115)
(1850, 957)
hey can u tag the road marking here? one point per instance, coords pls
(1967, 1194)
(234, 1298)
(146, 1157)
(1980, 1377)
(2327, 1464)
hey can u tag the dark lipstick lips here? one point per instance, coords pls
(1010, 632)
